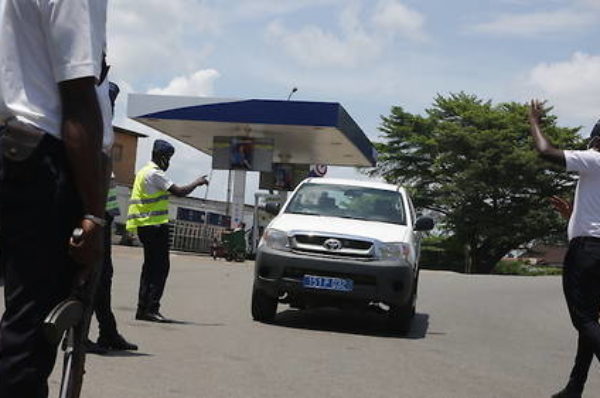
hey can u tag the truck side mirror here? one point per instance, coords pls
(273, 208)
(424, 223)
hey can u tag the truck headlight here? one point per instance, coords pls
(394, 251)
(275, 239)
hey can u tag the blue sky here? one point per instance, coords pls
(368, 55)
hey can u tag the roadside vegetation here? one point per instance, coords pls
(472, 163)
(522, 268)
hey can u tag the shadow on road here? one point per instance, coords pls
(125, 354)
(351, 322)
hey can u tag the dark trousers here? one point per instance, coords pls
(156, 266)
(107, 324)
(38, 210)
(581, 285)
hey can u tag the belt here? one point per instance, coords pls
(587, 239)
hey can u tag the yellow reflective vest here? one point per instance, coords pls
(112, 205)
(146, 209)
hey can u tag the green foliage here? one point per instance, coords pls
(441, 253)
(474, 162)
(521, 268)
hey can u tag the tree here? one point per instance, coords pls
(474, 162)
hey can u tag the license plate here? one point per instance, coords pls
(328, 283)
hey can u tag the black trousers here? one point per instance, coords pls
(107, 324)
(38, 210)
(581, 285)
(156, 266)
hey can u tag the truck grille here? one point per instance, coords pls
(332, 246)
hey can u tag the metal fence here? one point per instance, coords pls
(191, 236)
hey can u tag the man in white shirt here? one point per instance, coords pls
(52, 171)
(581, 272)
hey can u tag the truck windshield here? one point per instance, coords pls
(346, 201)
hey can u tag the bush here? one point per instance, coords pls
(439, 253)
(516, 267)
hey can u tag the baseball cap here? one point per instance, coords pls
(163, 147)
(596, 130)
(113, 93)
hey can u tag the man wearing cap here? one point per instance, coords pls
(109, 339)
(581, 272)
(149, 215)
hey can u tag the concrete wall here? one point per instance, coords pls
(124, 155)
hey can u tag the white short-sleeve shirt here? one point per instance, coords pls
(43, 43)
(585, 219)
(156, 180)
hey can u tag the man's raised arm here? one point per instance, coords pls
(542, 145)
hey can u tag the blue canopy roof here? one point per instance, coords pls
(303, 132)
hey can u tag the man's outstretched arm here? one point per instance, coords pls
(542, 145)
(187, 189)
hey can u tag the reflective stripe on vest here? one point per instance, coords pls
(148, 201)
(146, 209)
(112, 206)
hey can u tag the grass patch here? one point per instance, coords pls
(523, 269)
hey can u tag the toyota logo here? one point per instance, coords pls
(332, 244)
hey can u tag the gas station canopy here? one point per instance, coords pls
(302, 132)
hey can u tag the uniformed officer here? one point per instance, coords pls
(109, 338)
(149, 215)
(52, 171)
(581, 272)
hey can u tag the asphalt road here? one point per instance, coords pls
(473, 336)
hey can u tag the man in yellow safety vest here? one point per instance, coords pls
(149, 215)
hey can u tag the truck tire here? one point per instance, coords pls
(264, 307)
(400, 317)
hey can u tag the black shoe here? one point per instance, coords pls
(116, 343)
(564, 393)
(152, 317)
(93, 348)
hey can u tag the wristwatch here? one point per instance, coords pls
(101, 222)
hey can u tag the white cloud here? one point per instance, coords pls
(269, 8)
(591, 3)
(312, 46)
(146, 43)
(200, 83)
(572, 86)
(394, 16)
(363, 32)
(537, 23)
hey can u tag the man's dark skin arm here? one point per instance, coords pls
(82, 132)
(542, 145)
(185, 190)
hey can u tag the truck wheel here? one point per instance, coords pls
(264, 307)
(400, 317)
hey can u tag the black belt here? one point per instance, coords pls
(587, 239)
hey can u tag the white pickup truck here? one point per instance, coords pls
(341, 243)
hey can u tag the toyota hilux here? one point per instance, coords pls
(341, 243)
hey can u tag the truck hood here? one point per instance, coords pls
(380, 231)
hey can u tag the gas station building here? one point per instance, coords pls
(246, 135)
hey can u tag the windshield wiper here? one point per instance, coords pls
(304, 213)
(355, 218)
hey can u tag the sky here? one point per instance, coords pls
(368, 55)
